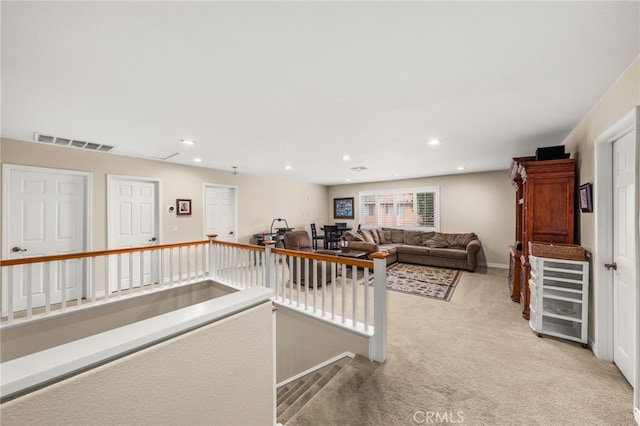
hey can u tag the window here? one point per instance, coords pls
(413, 208)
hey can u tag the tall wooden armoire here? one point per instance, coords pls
(545, 201)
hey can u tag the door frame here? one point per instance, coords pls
(234, 188)
(603, 279)
(7, 168)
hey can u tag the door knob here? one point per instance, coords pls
(230, 232)
(17, 249)
(152, 239)
(611, 266)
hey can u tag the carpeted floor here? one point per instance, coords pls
(475, 361)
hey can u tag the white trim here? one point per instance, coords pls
(6, 230)
(496, 265)
(316, 368)
(603, 279)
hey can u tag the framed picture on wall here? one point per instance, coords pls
(183, 207)
(586, 203)
(343, 208)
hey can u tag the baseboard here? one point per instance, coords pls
(636, 415)
(316, 368)
(497, 265)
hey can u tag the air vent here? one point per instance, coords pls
(74, 143)
(358, 169)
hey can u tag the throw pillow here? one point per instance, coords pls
(412, 238)
(366, 234)
(437, 241)
(387, 236)
(426, 236)
(460, 241)
(352, 236)
(397, 235)
(381, 236)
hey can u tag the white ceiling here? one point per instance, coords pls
(260, 85)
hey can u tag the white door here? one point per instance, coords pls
(133, 222)
(220, 211)
(624, 257)
(46, 215)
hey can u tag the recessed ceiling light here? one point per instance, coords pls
(434, 142)
(348, 180)
(346, 157)
(188, 141)
(460, 167)
(198, 160)
(396, 174)
(287, 167)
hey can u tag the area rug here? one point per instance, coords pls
(426, 281)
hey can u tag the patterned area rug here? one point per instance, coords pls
(426, 281)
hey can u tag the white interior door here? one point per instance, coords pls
(46, 214)
(133, 222)
(624, 257)
(220, 211)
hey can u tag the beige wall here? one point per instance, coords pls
(619, 100)
(187, 380)
(483, 203)
(260, 199)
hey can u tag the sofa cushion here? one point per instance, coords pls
(412, 238)
(414, 250)
(437, 241)
(396, 235)
(459, 240)
(352, 236)
(456, 254)
(426, 236)
(382, 239)
(387, 236)
(367, 236)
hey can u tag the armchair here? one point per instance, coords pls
(300, 241)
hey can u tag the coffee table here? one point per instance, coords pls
(355, 254)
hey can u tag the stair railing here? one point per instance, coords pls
(354, 297)
(39, 286)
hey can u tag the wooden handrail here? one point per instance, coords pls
(326, 257)
(69, 256)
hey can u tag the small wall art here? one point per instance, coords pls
(586, 202)
(343, 208)
(183, 207)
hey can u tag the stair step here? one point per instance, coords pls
(295, 395)
(305, 397)
(289, 390)
(350, 378)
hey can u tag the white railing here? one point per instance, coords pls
(36, 287)
(346, 292)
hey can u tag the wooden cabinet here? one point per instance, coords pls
(545, 192)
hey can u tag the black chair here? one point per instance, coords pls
(331, 237)
(315, 237)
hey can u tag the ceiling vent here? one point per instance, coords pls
(73, 143)
(358, 169)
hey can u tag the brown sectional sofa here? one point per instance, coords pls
(420, 247)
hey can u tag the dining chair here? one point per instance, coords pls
(315, 237)
(331, 237)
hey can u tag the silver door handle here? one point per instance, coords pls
(611, 266)
(152, 239)
(17, 249)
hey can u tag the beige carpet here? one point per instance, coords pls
(473, 360)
